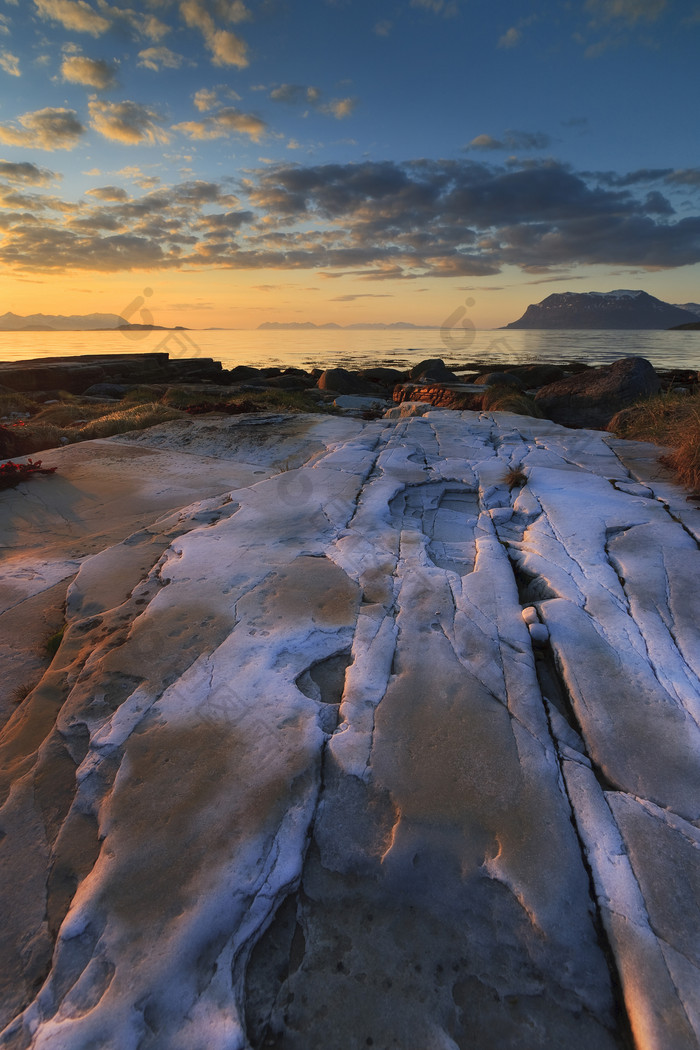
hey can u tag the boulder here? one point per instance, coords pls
(290, 382)
(538, 375)
(433, 370)
(460, 398)
(384, 376)
(592, 398)
(341, 381)
(499, 379)
(242, 372)
(112, 390)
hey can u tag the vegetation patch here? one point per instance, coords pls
(515, 478)
(671, 419)
(53, 642)
(505, 398)
(12, 473)
(136, 417)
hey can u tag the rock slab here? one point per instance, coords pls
(362, 748)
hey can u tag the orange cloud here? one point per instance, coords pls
(73, 14)
(92, 72)
(127, 122)
(223, 123)
(48, 129)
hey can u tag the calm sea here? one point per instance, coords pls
(354, 349)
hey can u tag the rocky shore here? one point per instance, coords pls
(572, 394)
(354, 727)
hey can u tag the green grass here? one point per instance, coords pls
(53, 642)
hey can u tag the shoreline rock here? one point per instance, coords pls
(358, 733)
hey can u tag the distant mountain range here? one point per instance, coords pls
(306, 325)
(10, 322)
(618, 309)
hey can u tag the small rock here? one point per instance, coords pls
(539, 635)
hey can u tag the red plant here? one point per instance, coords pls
(12, 473)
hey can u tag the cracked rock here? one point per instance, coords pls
(347, 745)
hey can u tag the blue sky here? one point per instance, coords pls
(345, 160)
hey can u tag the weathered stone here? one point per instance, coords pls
(76, 374)
(308, 770)
(499, 379)
(533, 376)
(386, 376)
(591, 398)
(433, 369)
(240, 372)
(459, 397)
(341, 381)
(113, 390)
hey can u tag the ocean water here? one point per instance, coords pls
(355, 349)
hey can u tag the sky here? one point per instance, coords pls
(229, 162)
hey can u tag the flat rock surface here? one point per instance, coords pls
(361, 733)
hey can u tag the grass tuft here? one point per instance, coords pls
(137, 417)
(670, 419)
(20, 693)
(514, 478)
(54, 641)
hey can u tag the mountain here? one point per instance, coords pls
(618, 309)
(693, 307)
(10, 322)
(365, 326)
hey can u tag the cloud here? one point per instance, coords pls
(684, 177)
(522, 140)
(383, 27)
(631, 178)
(93, 72)
(108, 193)
(135, 174)
(309, 95)
(25, 171)
(158, 58)
(10, 63)
(48, 129)
(295, 93)
(630, 11)
(340, 107)
(446, 8)
(360, 295)
(226, 48)
(127, 122)
(373, 220)
(153, 28)
(73, 14)
(205, 99)
(511, 38)
(222, 124)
